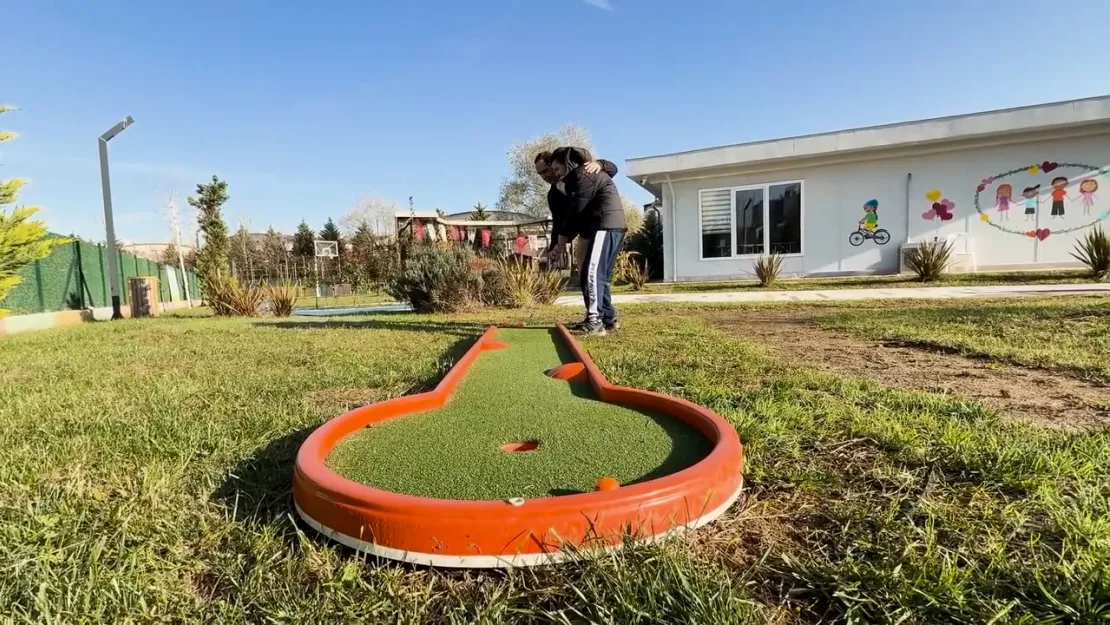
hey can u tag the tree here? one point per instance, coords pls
(273, 252)
(375, 213)
(22, 240)
(243, 252)
(479, 213)
(212, 257)
(303, 245)
(648, 243)
(331, 233)
(169, 255)
(633, 215)
(524, 190)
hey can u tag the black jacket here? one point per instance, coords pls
(593, 203)
(560, 203)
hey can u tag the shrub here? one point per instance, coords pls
(228, 297)
(436, 279)
(631, 271)
(282, 297)
(495, 287)
(767, 269)
(929, 260)
(549, 285)
(1093, 250)
(520, 281)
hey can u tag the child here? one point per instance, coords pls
(1030, 195)
(1002, 196)
(1059, 192)
(870, 219)
(1087, 190)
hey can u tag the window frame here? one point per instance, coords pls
(766, 188)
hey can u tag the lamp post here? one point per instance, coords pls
(109, 225)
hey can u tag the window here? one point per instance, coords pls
(751, 220)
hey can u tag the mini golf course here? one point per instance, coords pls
(523, 454)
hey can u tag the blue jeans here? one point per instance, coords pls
(597, 271)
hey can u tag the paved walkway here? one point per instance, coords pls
(929, 292)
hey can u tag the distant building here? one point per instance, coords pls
(153, 251)
(258, 238)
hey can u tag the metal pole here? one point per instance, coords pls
(109, 223)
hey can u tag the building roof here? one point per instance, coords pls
(860, 143)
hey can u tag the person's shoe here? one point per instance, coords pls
(613, 325)
(577, 327)
(595, 328)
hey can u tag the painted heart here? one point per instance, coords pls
(938, 207)
(1048, 166)
(949, 204)
(987, 180)
(933, 195)
(946, 216)
(1032, 169)
(1032, 234)
(929, 214)
(984, 217)
(1043, 233)
(980, 188)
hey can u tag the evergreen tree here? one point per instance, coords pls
(303, 241)
(331, 233)
(212, 258)
(169, 255)
(648, 242)
(479, 213)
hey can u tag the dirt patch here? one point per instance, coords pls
(1047, 398)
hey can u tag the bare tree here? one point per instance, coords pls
(372, 212)
(174, 218)
(523, 189)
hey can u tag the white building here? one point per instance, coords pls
(959, 179)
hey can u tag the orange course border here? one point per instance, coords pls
(498, 534)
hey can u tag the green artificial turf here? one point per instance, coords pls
(455, 452)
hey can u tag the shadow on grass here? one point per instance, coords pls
(259, 489)
(435, 327)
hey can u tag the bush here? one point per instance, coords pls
(549, 285)
(929, 260)
(436, 279)
(1094, 252)
(228, 297)
(282, 298)
(629, 270)
(767, 269)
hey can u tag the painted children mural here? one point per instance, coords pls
(1087, 195)
(868, 227)
(870, 219)
(1031, 195)
(1002, 200)
(1057, 196)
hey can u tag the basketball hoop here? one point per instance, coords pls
(326, 249)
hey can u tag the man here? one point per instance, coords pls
(557, 200)
(594, 211)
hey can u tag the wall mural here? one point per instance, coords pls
(868, 227)
(1034, 200)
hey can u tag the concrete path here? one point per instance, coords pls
(929, 292)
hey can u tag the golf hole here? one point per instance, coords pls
(520, 446)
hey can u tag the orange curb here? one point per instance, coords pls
(495, 534)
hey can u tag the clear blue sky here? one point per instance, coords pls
(303, 107)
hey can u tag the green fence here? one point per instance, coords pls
(75, 276)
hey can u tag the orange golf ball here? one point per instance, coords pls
(607, 483)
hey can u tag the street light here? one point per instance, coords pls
(109, 225)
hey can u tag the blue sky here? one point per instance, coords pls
(303, 107)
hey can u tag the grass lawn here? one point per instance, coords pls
(1061, 334)
(870, 282)
(145, 476)
(343, 301)
(455, 452)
